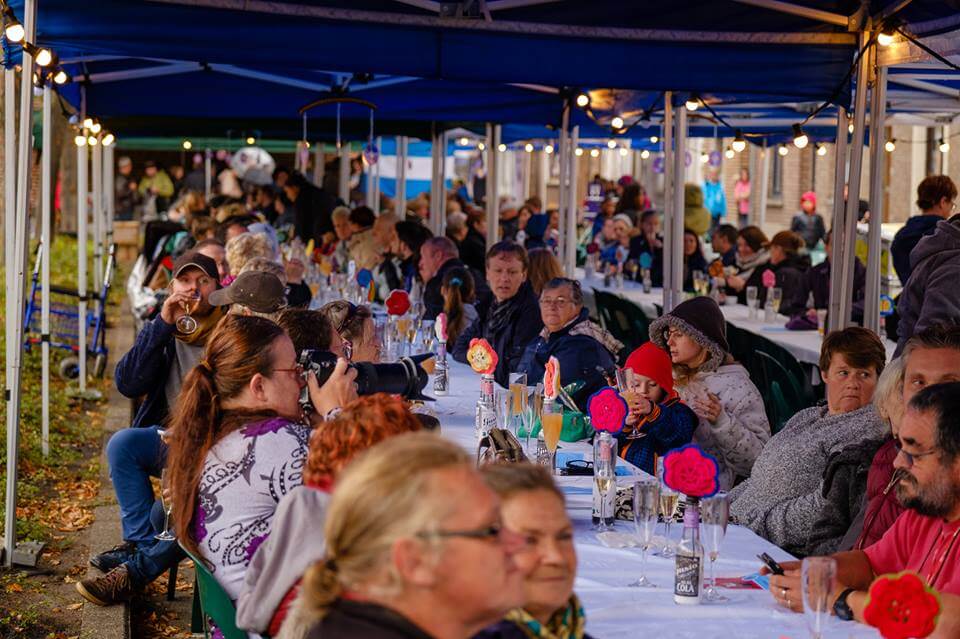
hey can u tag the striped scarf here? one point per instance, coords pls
(566, 623)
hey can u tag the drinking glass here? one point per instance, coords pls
(166, 534)
(714, 514)
(646, 503)
(669, 500)
(817, 577)
(185, 323)
(518, 401)
(752, 301)
(625, 384)
(502, 400)
(604, 475)
(776, 296)
(427, 335)
(551, 423)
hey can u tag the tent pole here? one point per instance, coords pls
(9, 221)
(668, 168)
(679, 167)
(108, 191)
(368, 195)
(401, 190)
(343, 181)
(442, 183)
(319, 164)
(207, 174)
(566, 151)
(82, 263)
(492, 196)
(46, 163)
(376, 178)
(837, 243)
(569, 238)
(542, 177)
(878, 161)
(96, 178)
(764, 191)
(853, 192)
(435, 207)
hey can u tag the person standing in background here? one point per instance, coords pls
(125, 190)
(714, 198)
(741, 193)
(808, 223)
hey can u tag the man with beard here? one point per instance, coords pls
(924, 539)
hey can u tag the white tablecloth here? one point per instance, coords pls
(615, 610)
(804, 345)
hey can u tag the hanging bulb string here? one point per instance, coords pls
(928, 50)
(7, 56)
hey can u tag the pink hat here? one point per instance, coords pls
(809, 195)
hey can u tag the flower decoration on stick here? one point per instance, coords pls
(902, 606)
(398, 302)
(716, 268)
(607, 410)
(364, 277)
(691, 471)
(440, 328)
(551, 379)
(481, 356)
(646, 260)
(769, 279)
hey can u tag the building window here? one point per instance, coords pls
(776, 175)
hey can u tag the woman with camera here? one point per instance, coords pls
(238, 441)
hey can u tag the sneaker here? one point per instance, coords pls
(110, 559)
(114, 587)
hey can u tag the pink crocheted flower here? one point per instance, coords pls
(691, 471)
(607, 410)
(769, 279)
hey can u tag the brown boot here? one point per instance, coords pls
(111, 588)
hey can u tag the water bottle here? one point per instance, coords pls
(688, 573)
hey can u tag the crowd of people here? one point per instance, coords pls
(323, 513)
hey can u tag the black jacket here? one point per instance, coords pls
(521, 326)
(906, 239)
(473, 251)
(790, 276)
(357, 620)
(639, 246)
(817, 281)
(312, 213)
(433, 296)
(143, 370)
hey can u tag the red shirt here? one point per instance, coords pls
(926, 545)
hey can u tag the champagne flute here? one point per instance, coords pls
(816, 583)
(776, 296)
(185, 323)
(518, 394)
(551, 424)
(503, 403)
(752, 301)
(714, 514)
(604, 475)
(166, 534)
(668, 506)
(646, 502)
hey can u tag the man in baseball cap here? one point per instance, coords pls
(253, 293)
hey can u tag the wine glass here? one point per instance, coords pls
(816, 582)
(776, 296)
(669, 499)
(502, 404)
(752, 301)
(714, 514)
(551, 423)
(518, 402)
(185, 323)
(646, 502)
(166, 534)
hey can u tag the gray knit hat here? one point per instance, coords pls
(701, 320)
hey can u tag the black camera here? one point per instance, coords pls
(405, 378)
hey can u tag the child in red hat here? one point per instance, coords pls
(656, 411)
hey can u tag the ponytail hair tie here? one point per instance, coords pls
(456, 281)
(330, 565)
(205, 365)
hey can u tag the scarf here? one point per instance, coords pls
(759, 258)
(586, 327)
(205, 326)
(501, 314)
(566, 623)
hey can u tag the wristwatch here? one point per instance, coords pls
(841, 608)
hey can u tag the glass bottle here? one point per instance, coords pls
(688, 573)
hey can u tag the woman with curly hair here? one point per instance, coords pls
(272, 580)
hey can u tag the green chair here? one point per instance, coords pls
(625, 320)
(781, 392)
(214, 604)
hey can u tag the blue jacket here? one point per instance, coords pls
(143, 370)
(670, 425)
(520, 326)
(906, 239)
(581, 357)
(714, 199)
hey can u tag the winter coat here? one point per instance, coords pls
(714, 199)
(742, 428)
(810, 227)
(785, 494)
(581, 357)
(520, 325)
(931, 295)
(695, 216)
(473, 251)
(433, 296)
(745, 269)
(359, 620)
(312, 213)
(670, 425)
(879, 507)
(816, 281)
(790, 275)
(906, 240)
(695, 262)
(143, 370)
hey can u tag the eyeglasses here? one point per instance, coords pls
(298, 369)
(491, 532)
(554, 303)
(911, 457)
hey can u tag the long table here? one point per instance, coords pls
(615, 610)
(804, 345)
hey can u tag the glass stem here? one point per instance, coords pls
(166, 520)
(643, 563)
(713, 575)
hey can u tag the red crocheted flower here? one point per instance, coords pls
(398, 302)
(607, 410)
(483, 359)
(902, 606)
(691, 471)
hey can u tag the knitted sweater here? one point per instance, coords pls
(783, 498)
(740, 431)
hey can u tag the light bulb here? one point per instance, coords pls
(15, 32)
(783, 150)
(80, 140)
(739, 143)
(611, 144)
(578, 152)
(730, 153)
(704, 158)
(96, 128)
(44, 57)
(692, 104)
(251, 140)
(644, 154)
(548, 148)
(502, 147)
(654, 139)
(92, 141)
(594, 153)
(88, 123)
(108, 139)
(944, 146)
(850, 128)
(800, 139)
(306, 145)
(528, 147)
(624, 151)
(890, 146)
(885, 39)
(583, 100)
(187, 145)
(481, 146)
(821, 150)
(61, 77)
(463, 141)
(617, 122)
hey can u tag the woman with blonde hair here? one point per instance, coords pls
(245, 247)
(544, 266)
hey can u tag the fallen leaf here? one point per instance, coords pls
(75, 606)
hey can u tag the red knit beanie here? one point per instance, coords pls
(652, 361)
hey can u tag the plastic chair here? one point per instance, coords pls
(625, 320)
(781, 393)
(214, 603)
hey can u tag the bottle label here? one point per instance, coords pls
(440, 380)
(686, 581)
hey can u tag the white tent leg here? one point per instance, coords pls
(837, 243)
(108, 192)
(371, 187)
(376, 177)
(679, 169)
(437, 208)
(569, 237)
(82, 264)
(544, 158)
(10, 221)
(96, 179)
(401, 190)
(668, 169)
(878, 163)
(319, 164)
(763, 192)
(46, 179)
(492, 196)
(207, 174)
(565, 150)
(343, 182)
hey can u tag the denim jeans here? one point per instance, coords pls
(135, 455)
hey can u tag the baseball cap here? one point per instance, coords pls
(196, 260)
(259, 291)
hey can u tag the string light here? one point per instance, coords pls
(885, 37)
(80, 140)
(502, 147)
(481, 146)
(14, 32)
(41, 56)
(730, 153)
(594, 153)
(548, 149)
(61, 77)
(693, 103)
(528, 147)
(617, 122)
(654, 139)
(704, 158)
(739, 143)
(583, 100)
(187, 145)
(611, 144)
(463, 141)
(850, 128)
(92, 141)
(890, 146)
(96, 128)
(624, 152)
(88, 123)
(944, 146)
(821, 150)
(800, 139)
(251, 140)
(108, 139)
(578, 152)
(783, 150)
(644, 154)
